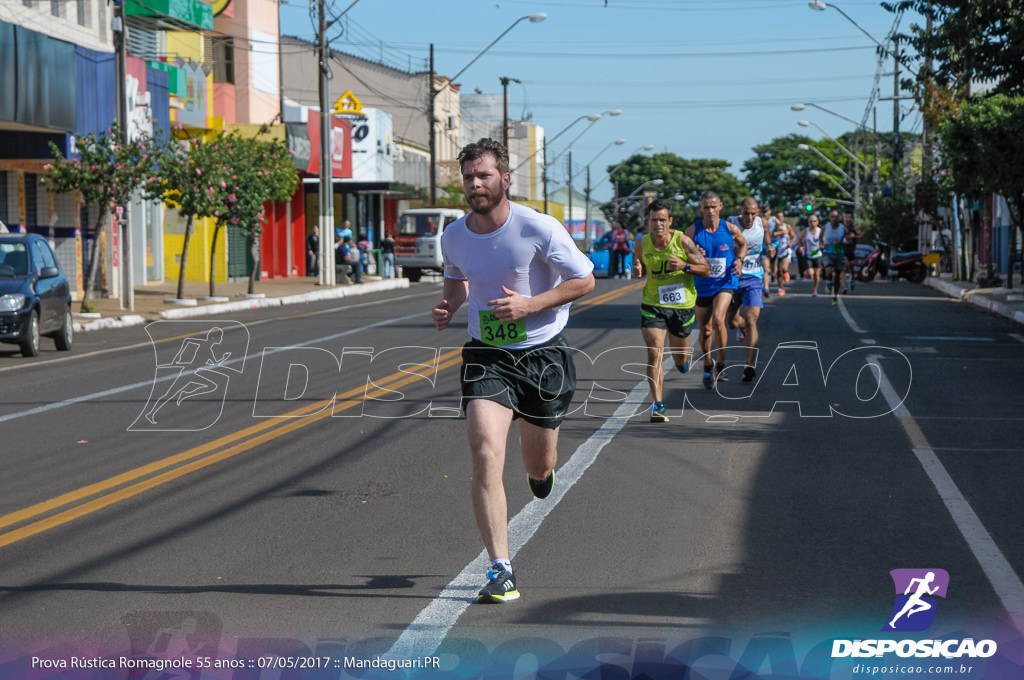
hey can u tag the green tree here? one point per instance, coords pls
(248, 172)
(105, 174)
(982, 145)
(184, 181)
(970, 40)
(683, 178)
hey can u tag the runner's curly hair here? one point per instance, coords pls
(482, 147)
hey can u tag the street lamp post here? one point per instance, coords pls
(586, 211)
(504, 106)
(807, 147)
(611, 173)
(835, 182)
(651, 182)
(545, 163)
(857, 165)
(897, 151)
(434, 91)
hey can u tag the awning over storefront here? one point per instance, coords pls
(188, 14)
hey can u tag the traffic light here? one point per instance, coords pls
(808, 204)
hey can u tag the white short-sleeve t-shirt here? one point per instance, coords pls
(530, 253)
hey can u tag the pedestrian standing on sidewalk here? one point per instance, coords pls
(620, 247)
(387, 255)
(518, 270)
(313, 252)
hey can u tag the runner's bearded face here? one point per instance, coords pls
(483, 184)
(659, 221)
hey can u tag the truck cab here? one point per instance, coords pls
(418, 241)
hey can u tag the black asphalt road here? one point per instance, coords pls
(309, 493)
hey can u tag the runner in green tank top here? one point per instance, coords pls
(671, 260)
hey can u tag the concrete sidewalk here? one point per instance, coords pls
(158, 301)
(1001, 301)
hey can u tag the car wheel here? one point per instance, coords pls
(65, 335)
(30, 346)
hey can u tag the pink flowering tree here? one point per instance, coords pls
(251, 172)
(185, 181)
(105, 174)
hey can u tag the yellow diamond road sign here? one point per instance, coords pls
(348, 103)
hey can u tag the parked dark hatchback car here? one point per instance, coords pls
(35, 297)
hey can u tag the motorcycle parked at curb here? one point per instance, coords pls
(910, 265)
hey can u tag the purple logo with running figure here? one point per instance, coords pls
(914, 609)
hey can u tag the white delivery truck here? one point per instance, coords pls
(418, 241)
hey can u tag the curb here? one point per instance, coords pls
(976, 299)
(130, 320)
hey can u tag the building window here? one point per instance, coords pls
(29, 3)
(31, 207)
(101, 22)
(83, 12)
(59, 8)
(223, 60)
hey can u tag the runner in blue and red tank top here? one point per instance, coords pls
(724, 248)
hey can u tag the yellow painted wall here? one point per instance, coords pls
(197, 266)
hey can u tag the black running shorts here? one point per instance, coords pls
(679, 322)
(537, 383)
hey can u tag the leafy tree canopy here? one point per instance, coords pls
(970, 40)
(683, 178)
(982, 145)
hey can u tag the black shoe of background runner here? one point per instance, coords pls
(500, 589)
(541, 488)
(708, 379)
(720, 373)
(749, 373)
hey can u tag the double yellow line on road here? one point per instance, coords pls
(93, 497)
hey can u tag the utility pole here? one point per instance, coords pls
(504, 99)
(926, 151)
(570, 193)
(327, 270)
(120, 31)
(432, 121)
(897, 145)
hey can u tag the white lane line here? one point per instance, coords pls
(155, 381)
(849, 319)
(1005, 582)
(950, 338)
(427, 631)
(99, 352)
(1017, 336)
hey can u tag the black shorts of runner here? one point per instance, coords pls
(537, 383)
(709, 300)
(678, 322)
(835, 260)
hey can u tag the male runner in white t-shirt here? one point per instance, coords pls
(519, 270)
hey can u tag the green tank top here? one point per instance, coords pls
(673, 289)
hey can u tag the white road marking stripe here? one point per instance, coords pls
(849, 319)
(21, 365)
(950, 338)
(1005, 582)
(1017, 336)
(427, 631)
(149, 383)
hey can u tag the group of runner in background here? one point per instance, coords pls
(715, 276)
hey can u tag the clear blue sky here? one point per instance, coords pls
(698, 78)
